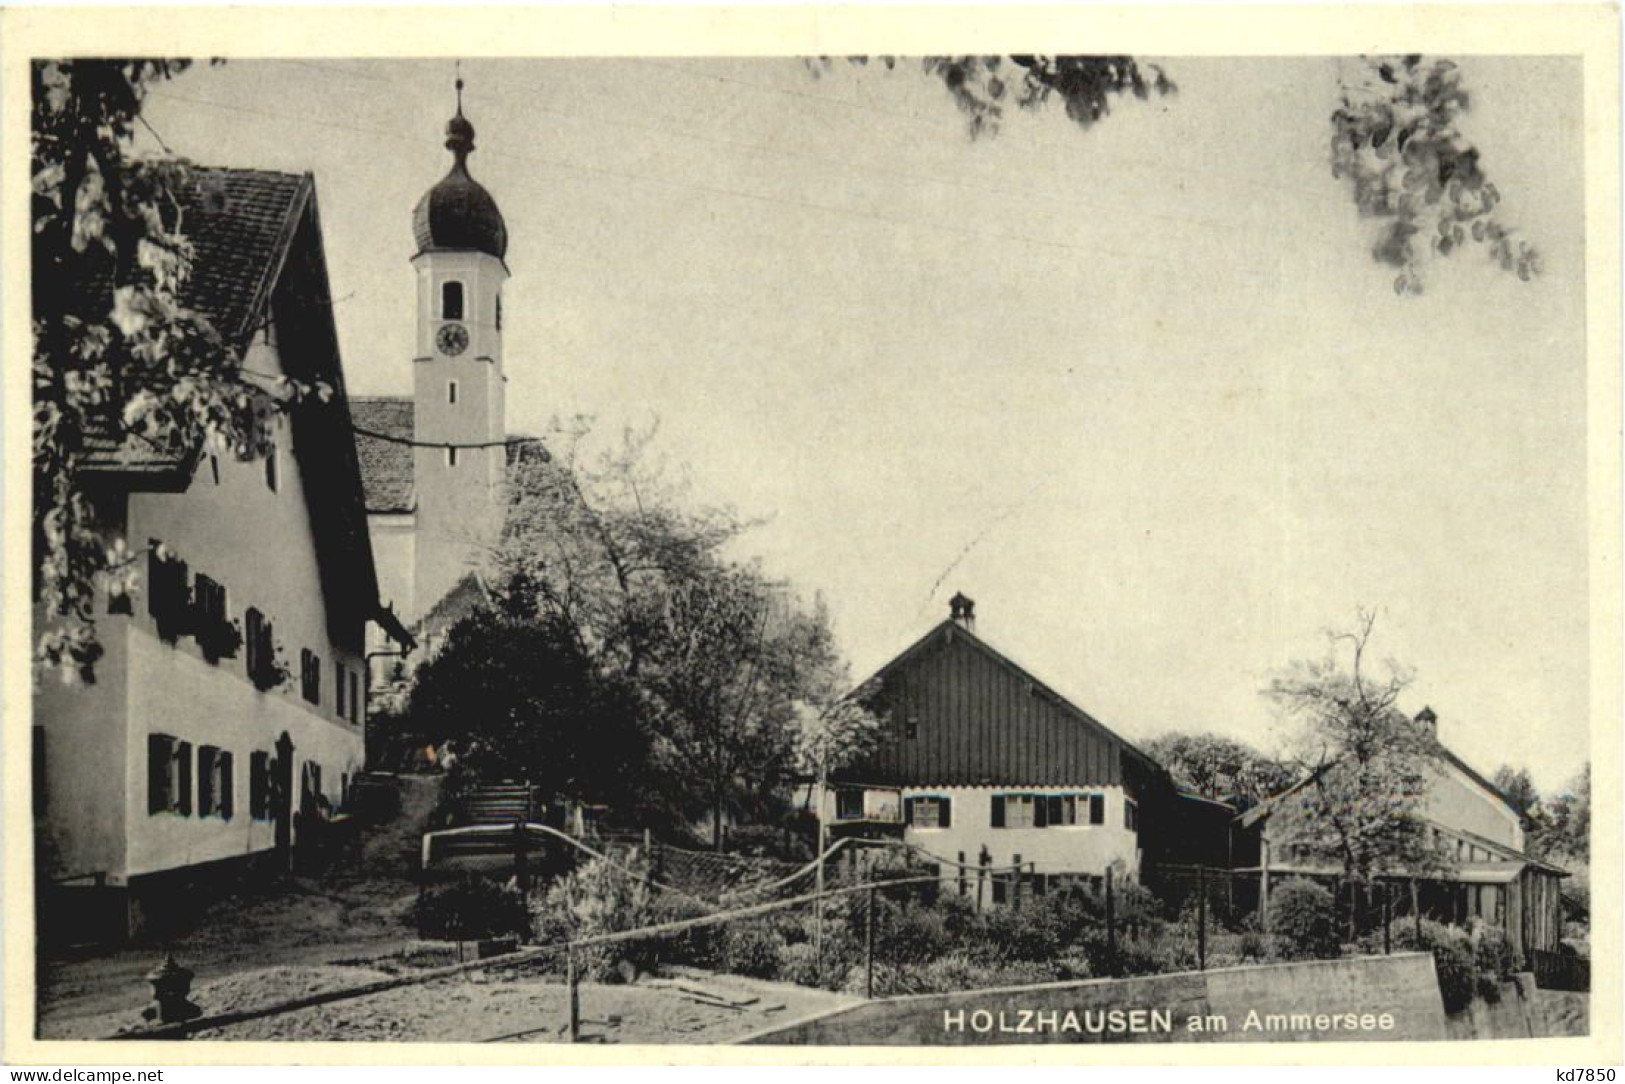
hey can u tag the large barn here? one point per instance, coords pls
(984, 764)
(1488, 877)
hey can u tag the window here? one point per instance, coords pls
(911, 726)
(214, 797)
(848, 804)
(338, 688)
(272, 471)
(1014, 811)
(1131, 815)
(259, 786)
(169, 775)
(451, 456)
(499, 312)
(451, 301)
(355, 698)
(927, 812)
(1048, 810)
(310, 675)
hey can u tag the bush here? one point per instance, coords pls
(912, 933)
(468, 909)
(1304, 917)
(601, 896)
(754, 950)
(1493, 960)
(1009, 935)
(1453, 960)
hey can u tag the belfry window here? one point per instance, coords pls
(451, 301)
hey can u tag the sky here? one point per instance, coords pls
(1140, 391)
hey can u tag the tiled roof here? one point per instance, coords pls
(239, 222)
(386, 467)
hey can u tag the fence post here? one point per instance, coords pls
(521, 865)
(1387, 918)
(963, 887)
(869, 947)
(1201, 918)
(1264, 885)
(575, 994)
(1111, 924)
(981, 879)
(1015, 884)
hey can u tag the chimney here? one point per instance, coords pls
(962, 610)
(1428, 722)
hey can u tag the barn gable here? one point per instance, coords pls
(959, 713)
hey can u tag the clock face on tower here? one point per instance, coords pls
(452, 339)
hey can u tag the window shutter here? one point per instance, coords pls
(1097, 809)
(944, 804)
(998, 811)
(227, 807)
(1057, 809)
(258, 774)
(183, 800)
(205, 780)
(1041, 810)
(158, 754)
(908, 810)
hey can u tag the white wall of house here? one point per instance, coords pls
(84, 731)
(1457, 801)
(226, 711)
(229, 524)
(1053, 849)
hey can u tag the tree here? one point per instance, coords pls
(1564, 830)
(1220, 768)
(734, 670)
(1394, 136)
(601, 538)
(1367, 763)
(117, 356)
(1519, 790)
(721, 664)
(517, 697)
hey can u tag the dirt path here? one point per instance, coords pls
(497, 1007)
(359, 910)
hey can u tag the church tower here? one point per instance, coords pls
(458, 380)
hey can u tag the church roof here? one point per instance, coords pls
(458, 214)
(386, 464)
(386, 467)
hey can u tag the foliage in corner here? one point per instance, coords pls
(984, 86)
(1395, 138)
(118, 358)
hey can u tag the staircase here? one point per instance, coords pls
(501, 804)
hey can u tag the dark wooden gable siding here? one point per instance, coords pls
(980, 720)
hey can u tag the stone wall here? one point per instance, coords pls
(1381, 998)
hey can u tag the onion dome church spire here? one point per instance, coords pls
(458, 214)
